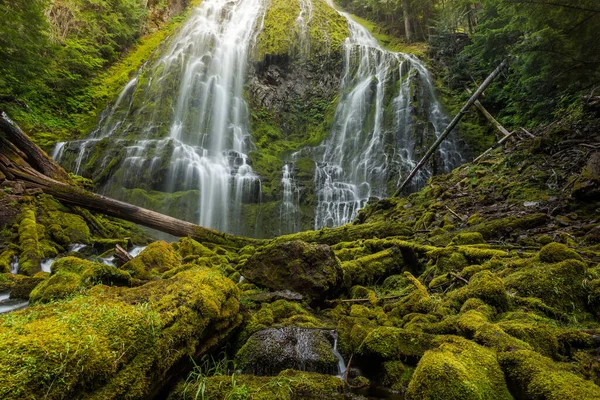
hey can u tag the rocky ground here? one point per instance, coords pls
(484, 285)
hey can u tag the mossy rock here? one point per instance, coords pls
(534, 376)
(6, 258)
(72, 275)
(288, 385)
(486, 286)
(557, 252)
(309, 269)
(558, 285)
(468, 238)
(388, 343)
(458, 369)
(273, 350)
(155, 259)
(369, 269)
(114, 342)
(587, 186)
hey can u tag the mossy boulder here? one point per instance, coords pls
(388, 343)
(557, 252)
(72, 275)
(6, 258)
(486, 286)
(273, 350)
(587, 186)
(558, 285)
(368, 269)
(155, 259)
(534, 376)
(458, 369)
(29, 243)
(115, 342)
(309, 269)
(468, 238)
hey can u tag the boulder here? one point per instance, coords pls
(273, 350)
(309, 269)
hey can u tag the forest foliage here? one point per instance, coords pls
(553, 47)
(53, 49)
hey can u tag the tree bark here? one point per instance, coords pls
(451, 126)
(35, 156)
(489, 116)
(407, 24)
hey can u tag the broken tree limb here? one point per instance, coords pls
(488, 116)
(451, 126)
(122, 256)
(36, 157)
(499, 143)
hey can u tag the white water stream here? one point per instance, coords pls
(373, 137)
(199, 81)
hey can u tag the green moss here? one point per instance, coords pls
(71, 276)
(288, 385)
(486, 286)
(114, 343)
(542, 337)
(280, 35)
(505, 226)
(557, 252)
(468, 238)
(396, 375)
(30, 254)
(368, 269)
(309, 269)
(473, 324)
(558, 285)
(458, 369)
(6, 258)
(388, 343)
(538, 377)
(157, 258)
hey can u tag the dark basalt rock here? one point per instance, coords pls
(273, 350)
(310, 269)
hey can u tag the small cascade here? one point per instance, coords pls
(341, 362)
(46, 265)
(181, 125)
(302, 22)
(14, 265)
(375, 138)
(290, 203)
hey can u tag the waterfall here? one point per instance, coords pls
(289, 212)
(181, 124)
(374, 137)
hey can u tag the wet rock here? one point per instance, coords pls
(587, 186)
(278, 295)
(309, 269)
(273, 350)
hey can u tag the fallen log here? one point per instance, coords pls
(122, 256)
(35, 156)
(499, 143)
(488, 116)
(451, 126)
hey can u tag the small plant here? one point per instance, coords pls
(209, 366)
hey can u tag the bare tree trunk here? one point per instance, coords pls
(451, 126)
(407, 24)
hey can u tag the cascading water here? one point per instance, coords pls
(374, 137)
(290, 205)
(197, 85)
